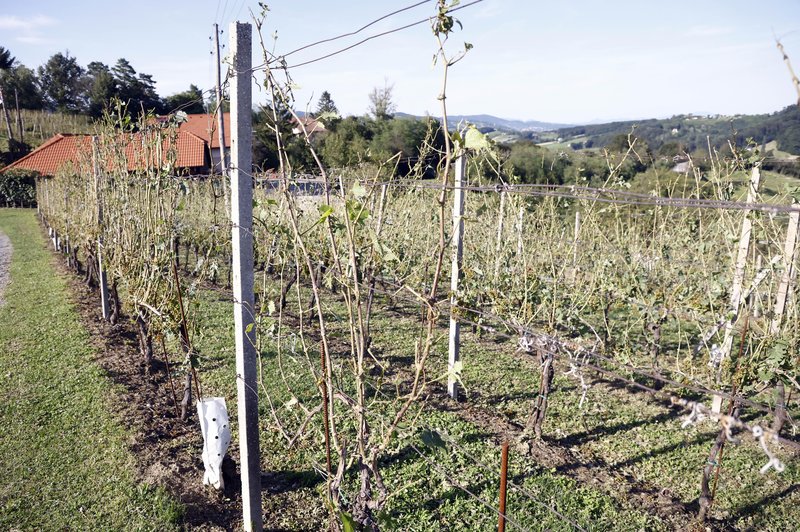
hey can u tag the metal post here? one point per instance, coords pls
(454, 343)
(104, 303)
(789, 252)
(501, 524)
(520, 227)
(242, 277)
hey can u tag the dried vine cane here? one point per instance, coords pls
(187, 345)
(707, 499)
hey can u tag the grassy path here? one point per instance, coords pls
(63, 455)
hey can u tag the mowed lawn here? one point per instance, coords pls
(63, 454)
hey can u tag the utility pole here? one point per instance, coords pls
(223, 158)
(20, 129)
(5, 115)
(243, 276)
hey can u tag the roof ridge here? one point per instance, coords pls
(58, 137)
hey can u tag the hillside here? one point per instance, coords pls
(779, 131)
(494, 123)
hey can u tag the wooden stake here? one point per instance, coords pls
(454, 343)
(242, 274)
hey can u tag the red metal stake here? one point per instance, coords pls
(501, 525)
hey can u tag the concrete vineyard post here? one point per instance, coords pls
(577, 234)
(101, 271)
(738, 281)
(454, 343)
(243, 277)
(789, 252)
(498, 247)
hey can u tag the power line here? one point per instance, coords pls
(264, 65)
(216, 14)
(224, 9)
(239, 10)
(359, 30)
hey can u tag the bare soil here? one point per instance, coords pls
(166, 450)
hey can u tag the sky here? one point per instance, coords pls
(567, 62)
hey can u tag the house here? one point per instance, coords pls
(312, 126)
(196, 147)
(205, 127)
(56, 153)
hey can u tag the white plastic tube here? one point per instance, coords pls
(216, 430)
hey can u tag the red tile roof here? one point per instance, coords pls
(311, 124)
(205, 127)
(65, 149)
(190, 151)
(56, 153)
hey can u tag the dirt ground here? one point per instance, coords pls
(166, 449)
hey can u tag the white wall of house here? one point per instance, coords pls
(215, 158)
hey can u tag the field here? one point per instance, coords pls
(596, 328)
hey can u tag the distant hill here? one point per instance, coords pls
(779, 130)
(494, 123)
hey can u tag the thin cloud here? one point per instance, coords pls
(34, 39)
(708, 31)
(488, 11)
(10, 22)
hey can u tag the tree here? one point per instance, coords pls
(265, 147)
(381, 105)
(189, 101)
(138, 91)
(400, 135)
(6, 62)
(348, 144)
(326, 105)
(61, 81)
(102, 87)
(20, 81)
(6, 59)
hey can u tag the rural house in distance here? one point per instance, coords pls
(197, 145)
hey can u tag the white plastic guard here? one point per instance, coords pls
(216, 436)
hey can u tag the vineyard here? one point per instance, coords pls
(450, 352)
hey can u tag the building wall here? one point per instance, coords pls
(215, 159)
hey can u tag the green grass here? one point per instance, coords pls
(626, 433)
(63, 453)
(421, 498)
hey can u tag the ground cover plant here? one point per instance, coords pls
(602, 323)
(64, 454)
